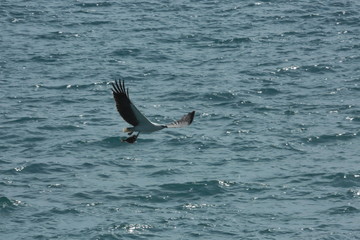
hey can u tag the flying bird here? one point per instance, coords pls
(133, 116)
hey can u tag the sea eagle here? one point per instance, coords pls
(133, 116)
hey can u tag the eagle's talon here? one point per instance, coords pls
(131, 139)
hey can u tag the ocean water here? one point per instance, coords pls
(273, 152)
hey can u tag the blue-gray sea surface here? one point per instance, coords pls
(273, 152)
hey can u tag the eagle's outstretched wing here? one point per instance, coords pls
(184, 121)
(125, 107)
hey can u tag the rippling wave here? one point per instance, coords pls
(273, 150)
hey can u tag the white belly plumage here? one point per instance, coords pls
(145, 128)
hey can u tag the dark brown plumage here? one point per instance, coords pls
(123, 103)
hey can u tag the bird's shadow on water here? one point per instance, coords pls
(118, 141)
(110, 142)
(115, 142)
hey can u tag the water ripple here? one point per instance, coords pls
(273, 147)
